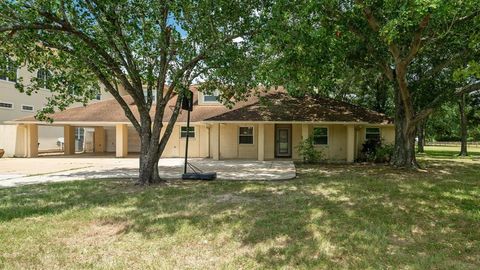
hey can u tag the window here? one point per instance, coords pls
(211, 97)
(245, 135)
(320, 136)
(27, 108)
(154, 95)
(6, 105)
(43, 78)
(8, 70)
(372, 134)
(191, 133)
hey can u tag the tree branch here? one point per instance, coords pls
(416, 43)
(468, 89)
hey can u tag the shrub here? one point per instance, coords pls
(376, 151)
(384, 153)
(308, 152)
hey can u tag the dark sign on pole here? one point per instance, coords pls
(187, 101)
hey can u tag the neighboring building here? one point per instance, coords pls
(15, 105)
(264, 128)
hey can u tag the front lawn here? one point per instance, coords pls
(332, 216)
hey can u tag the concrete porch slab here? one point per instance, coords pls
(23, 171)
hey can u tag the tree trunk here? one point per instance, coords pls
(404, 150)
(421, 138)
(463, 127)
(148, 172)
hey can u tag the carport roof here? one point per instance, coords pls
(272, 106)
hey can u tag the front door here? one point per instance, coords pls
(283, 140)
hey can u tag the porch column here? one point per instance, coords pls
(99, 138)
(261, 142)
(350, 143)
(32, 140)
(68, 140)
(216, 141)
(121, 140)
(305, 134)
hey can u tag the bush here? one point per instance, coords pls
(384, 153)
(375, 151)
(308, 152)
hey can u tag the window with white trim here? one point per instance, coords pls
(372, 133)
(28, 108)
(245, 135)
(211, 97)
(6, 105)
(183, 132)
(8, 70)
(320, 135)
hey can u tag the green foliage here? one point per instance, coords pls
(308, 151)
(444, 123)
(376, 151)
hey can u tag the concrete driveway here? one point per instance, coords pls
(23, 171)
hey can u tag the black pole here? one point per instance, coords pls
(186, 142)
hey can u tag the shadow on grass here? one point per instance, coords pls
(332, 216)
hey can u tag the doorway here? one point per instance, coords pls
(283, 141)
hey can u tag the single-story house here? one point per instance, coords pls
(261, 128)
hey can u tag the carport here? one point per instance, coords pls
(26, 137)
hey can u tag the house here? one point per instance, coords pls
(261, 128)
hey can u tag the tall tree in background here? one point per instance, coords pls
(160, 47)
(463, 125)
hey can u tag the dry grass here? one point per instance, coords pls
(330, 217)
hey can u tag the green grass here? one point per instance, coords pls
(330, 217)
(449, 152)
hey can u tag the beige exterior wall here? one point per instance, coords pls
(335, 150)
(197, 146)
(387, 133)
(12, 140)
(269, 141)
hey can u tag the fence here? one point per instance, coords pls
(472, 144)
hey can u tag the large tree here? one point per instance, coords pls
(409, 43)
(153, 47)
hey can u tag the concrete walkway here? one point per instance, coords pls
(22, 171)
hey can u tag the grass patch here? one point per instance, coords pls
(450, 152)
(331, 216)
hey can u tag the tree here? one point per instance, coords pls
(146, 47)
(323, 38)
(463, 126)
(471, 75)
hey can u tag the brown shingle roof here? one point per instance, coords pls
(271, 106)
(279, 106)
